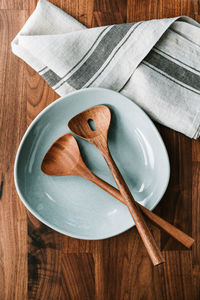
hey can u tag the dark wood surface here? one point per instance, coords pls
(39, 263)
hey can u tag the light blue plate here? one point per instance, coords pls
(72, 205)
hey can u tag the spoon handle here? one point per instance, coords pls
(176, 233)
(135, 211)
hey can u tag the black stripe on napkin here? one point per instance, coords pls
(169, 78)
(176, 59)
(174, 70)
(95, 42)
(51, 77)
(42, 69)
(114, 54)
(94, 62)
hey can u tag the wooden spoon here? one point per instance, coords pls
(100, 116)
(64, 158)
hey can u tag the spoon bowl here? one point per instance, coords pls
(62, 158)
(91, 123)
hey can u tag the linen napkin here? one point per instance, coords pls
(155, 63)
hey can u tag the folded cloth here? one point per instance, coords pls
(155, 63)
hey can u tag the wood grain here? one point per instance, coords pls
(176, 206)
(116, 268)
(13, 223)
(78, 281)
(177, 275)
(196, 226)
(14, 4)
(44, 261)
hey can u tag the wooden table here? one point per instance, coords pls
(39, 263)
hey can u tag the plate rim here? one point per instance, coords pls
(36, 214)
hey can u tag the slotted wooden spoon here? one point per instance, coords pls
(98, 136)
(64, 158)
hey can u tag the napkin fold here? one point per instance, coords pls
(155, 63)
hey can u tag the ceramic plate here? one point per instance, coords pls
(72, 205)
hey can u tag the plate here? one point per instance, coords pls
(72, 205)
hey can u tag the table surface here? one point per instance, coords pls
(39, 263)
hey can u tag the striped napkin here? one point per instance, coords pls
(155, 63)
